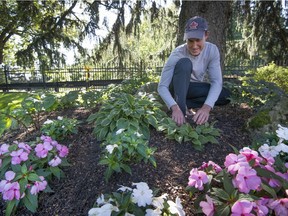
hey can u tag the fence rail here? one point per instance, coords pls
(86, 77)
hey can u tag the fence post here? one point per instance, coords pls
(6, 72)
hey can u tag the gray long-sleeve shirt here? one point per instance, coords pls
(207, 62)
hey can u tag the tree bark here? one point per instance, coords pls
(217, 14)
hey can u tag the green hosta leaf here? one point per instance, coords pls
(102, 133)
(122, 123)
(152, 120)
(141, 149)
(92, 118)
(105, 122)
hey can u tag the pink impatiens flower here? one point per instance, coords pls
(55, 161)
(280, 206)
(246, 180)
(25, 146)
(251, 155)
(10, 190)
(242, 208)
(63, 150)
(38, 186)
(260, 207)
(197, 179)
(233, 162)
(208, 207)
(18, 156)
(43, 149)
(215, 167)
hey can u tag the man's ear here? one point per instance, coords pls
(206, 34)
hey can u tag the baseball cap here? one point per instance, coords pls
(195, 28)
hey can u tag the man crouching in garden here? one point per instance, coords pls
(184, 72)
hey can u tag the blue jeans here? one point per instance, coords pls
(192, 94)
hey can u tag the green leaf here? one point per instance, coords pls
(269, 190)
(223, 210)
(126, 168)
(105, 122)
(33, 177)
(11, 205)
(31, 202)
(56, 171)
(219, 192)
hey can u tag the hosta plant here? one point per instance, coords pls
(250, 183)
(124, 110)
(26, 169)
(138, 200)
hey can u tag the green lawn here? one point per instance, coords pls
(11, 98)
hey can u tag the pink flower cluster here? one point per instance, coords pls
(49, 145)
(242, 170)
(24, 155)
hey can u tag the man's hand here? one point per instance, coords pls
(177, 115)
(202, 115)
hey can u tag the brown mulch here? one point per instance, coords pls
(75, 194)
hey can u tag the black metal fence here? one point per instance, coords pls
(98, 76)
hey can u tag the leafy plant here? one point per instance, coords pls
(30, 111)
(26, 168)
(248, 184)
(126, 111)
(60, 128)
(138, 200)
(123, 148)
(70, 99)
(91, 98)
(199, 135)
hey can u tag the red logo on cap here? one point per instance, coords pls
(193, 25)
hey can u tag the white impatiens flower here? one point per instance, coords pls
(48, 121)
(158, 202)
(282, 132)
(119, 131)
(282, 147)
(105, 210)
(124, 188)
(176, 208)
(142, 195)
(110, 148)
(60, 118)
(153, 212)
(101, 200)
(268, 151)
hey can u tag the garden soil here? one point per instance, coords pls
(84, 179)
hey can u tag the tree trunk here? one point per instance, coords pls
(217, 14)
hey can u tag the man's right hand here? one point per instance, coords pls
(177, 115)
